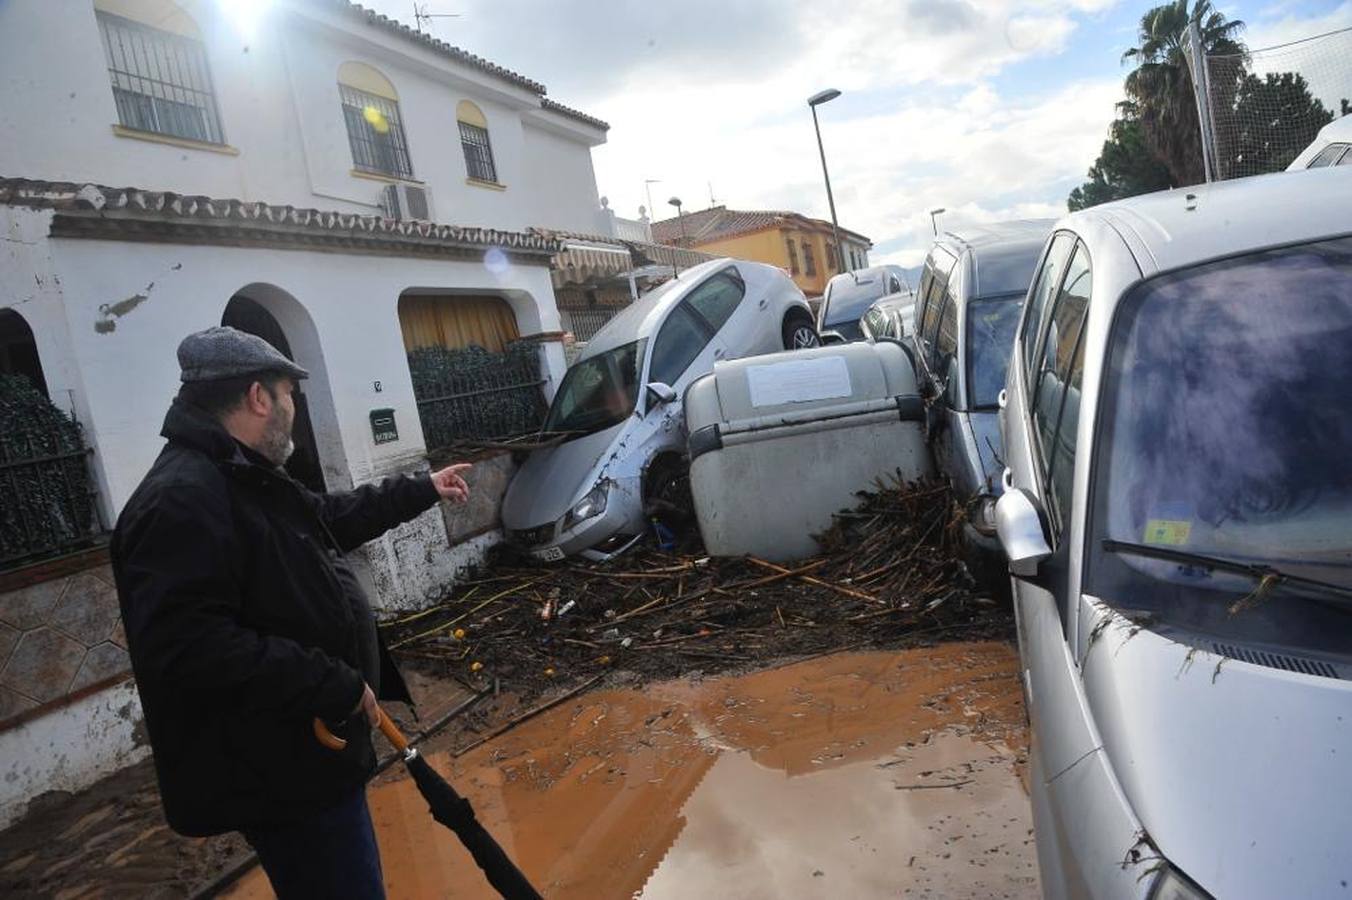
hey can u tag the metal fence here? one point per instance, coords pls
(584, 323)
(1259, 109)
(472, 395)
(47, 502)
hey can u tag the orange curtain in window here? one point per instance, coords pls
(456, 322)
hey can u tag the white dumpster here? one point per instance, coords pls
(780, 442)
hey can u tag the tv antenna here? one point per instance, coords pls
(421, 15)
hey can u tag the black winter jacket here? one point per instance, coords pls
(242, 629)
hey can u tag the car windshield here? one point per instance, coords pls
(850, 297)
(1223, 434)
(990, 337)
(597, 393)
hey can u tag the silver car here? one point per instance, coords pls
(849, 294)
(618, 410)
(971, 291)
(1178, 519)
(890, 318)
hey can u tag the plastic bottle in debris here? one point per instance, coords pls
(666, 538)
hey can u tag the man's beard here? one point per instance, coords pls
(277, 445)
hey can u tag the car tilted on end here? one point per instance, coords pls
(971, 291)
(618, 411)
(1178, 518)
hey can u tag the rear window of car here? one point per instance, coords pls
(850, 297)
(1005, 271)
(1329, 156)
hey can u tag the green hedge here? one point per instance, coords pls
(471, 394)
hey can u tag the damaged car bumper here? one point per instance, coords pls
(606, 521)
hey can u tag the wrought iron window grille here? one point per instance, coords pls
(161, 81)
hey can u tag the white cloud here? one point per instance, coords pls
(711, 91)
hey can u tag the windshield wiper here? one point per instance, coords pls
(1268, 577)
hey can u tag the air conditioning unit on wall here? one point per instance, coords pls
(408, 202)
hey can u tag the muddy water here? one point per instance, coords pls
(856, 775)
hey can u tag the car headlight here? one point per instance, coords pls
(982, 514)
(1174, 885)
(590, 506)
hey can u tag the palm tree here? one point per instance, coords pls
(1161, 85)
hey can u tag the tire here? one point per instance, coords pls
(666, 491)
(799, 333)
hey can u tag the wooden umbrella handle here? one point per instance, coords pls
(386, 726)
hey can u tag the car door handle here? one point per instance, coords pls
(764, 303)
(1007, 479)
(718, 354)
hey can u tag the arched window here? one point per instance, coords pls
(375, 130)
(18, 350)
(158, 67)
(474, 141)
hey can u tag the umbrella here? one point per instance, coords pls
(451, 810)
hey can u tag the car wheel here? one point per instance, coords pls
(799, 334)
(667, 491)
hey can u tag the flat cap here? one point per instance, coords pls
(225, 352)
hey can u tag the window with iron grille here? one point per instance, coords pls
(375, 133)
(793, 256)
(478, 152)
(161, 82)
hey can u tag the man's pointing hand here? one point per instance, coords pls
(449, 483)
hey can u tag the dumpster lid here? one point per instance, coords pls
(799, 382)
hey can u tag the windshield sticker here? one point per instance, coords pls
(1170, 524)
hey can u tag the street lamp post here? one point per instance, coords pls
(676, 202)
(934, 213)
(813, 102)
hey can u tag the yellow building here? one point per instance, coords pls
(801, 246)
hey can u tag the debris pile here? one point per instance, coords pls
(890, 573)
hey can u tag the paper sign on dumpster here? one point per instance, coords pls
(798, 381)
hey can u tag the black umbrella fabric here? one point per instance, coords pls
(451, 810)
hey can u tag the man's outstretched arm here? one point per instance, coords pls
(363, 514)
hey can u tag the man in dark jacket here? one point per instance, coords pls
(245, 622)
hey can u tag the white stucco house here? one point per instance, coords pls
(330, 178)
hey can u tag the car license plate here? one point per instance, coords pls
(549, 554)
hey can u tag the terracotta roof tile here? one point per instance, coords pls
(394, 26)
(555, 106)
(720, 223)
(91, 210)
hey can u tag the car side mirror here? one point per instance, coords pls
(660, 394)
(1019, 524)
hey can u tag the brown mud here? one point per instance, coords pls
(877, 774)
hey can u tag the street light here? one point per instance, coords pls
(813, 102)
(676, 202)
(933, 224)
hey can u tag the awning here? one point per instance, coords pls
(590, 263)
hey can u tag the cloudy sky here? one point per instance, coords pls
(992, 109)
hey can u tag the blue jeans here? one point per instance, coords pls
(331, 854)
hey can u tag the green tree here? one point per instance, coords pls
(1161, 86)
(1124, 167)
(1275, 118)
